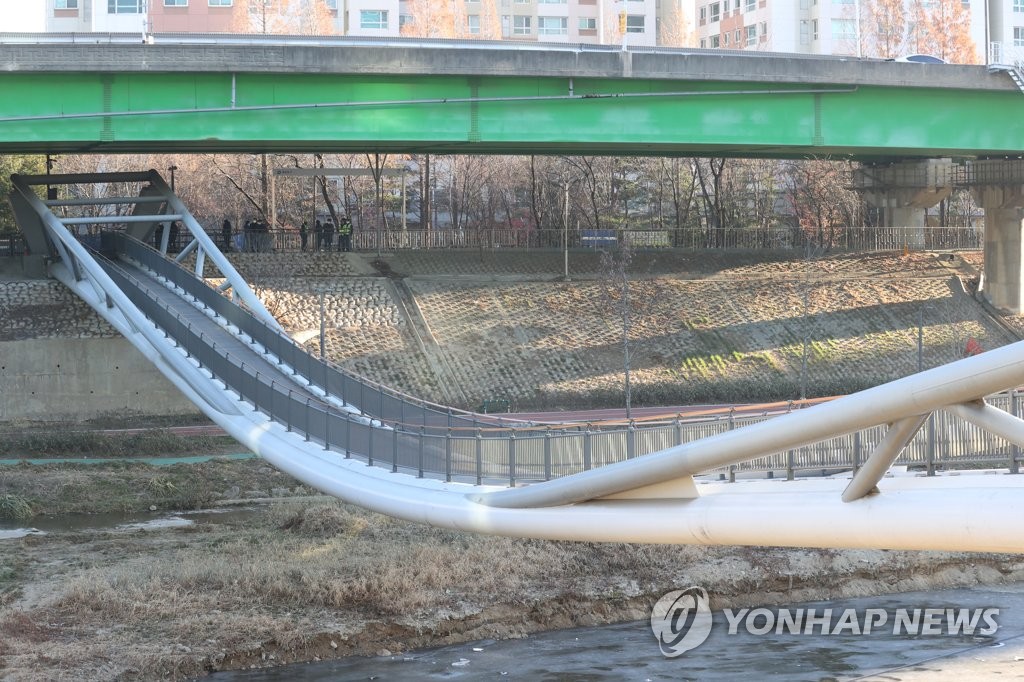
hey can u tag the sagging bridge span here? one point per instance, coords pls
(379, 449)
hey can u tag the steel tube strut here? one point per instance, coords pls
(992, 419)
(896, 438)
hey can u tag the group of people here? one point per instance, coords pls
(323, 235)
(256, 236)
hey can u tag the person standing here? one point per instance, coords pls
(303, 235)
(318, 235)
(225, 234)
(328, 235)
(345, 234)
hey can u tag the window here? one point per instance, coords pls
(332, 4)
(814, 29)
(66, 4)
(520, 25)
(473, 24)
(124, 6)
(405, 19)
(751, 34)
(219, 3)
(588, 23)
(635, 23)
(737, 37)
(1018, 36)
(714, 41)
(551, 2)
(703, 15)
(703, 44)
(751, 5)
(763, 31)
(842, 2)
(373, 19)
(522, 2)
(725, 39)
(844, 29)
(1018, 5)
(716, 11)
(175, 3)
(805, 33)
(552, 26)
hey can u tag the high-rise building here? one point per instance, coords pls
(618, 22)
(859, 28)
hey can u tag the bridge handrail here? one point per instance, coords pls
(515, 455)
(329, 377)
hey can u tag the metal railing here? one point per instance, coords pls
(422, 439)
(853, 239)
(12, 245)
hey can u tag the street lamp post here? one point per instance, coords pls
(565, 232)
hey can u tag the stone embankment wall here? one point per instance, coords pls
(462, 327)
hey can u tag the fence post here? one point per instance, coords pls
(288, 412)
(930, 451)
(679, 430)
(394, 455)
(327, 432)
(423, 434)
(856, 451)
(306, 424)
(348, 435)
(588, 462)
(630, 440)
(369, 449)
(1014, 448)
(547, 454)
(479, 457)
(512, 459)
(448, 457)
(790, 458)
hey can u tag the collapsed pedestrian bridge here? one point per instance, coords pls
(380, 449)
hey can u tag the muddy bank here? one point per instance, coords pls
(314, 579)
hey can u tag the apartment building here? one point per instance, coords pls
(618, 22)
(840, 27)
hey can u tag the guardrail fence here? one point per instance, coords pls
(405, 434)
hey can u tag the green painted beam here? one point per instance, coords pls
(219, 112)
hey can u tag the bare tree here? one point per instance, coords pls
(884, 30)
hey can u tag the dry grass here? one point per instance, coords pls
(301, 575)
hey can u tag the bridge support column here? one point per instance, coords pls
(998, 186)
(904, 191)
(1004, 247)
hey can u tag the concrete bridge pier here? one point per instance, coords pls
(905, 191)
(998, 187)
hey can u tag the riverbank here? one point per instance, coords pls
(314, 579)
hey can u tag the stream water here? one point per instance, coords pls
(630, 651)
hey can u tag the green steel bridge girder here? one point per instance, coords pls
(95, 112)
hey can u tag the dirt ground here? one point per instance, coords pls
(296, 578)
(313, 579)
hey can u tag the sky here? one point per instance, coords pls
(22, 16)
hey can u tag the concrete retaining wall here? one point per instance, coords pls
(60, 360)
(77, 379)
